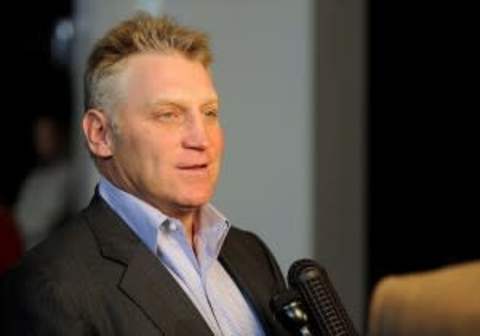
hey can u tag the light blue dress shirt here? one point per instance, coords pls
(200, 275)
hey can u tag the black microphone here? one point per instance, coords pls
(311, 306)
(327, 314)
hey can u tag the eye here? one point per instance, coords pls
(169, 116)
(211, 113)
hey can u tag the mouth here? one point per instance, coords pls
(193, 167)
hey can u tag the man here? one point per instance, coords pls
(149, 255)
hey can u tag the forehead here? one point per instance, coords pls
(154, 76)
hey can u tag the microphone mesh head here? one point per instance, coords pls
(312, 282)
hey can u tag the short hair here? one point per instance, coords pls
(143, 33)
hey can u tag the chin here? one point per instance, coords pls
(195, 201)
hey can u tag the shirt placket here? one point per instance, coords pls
(177, 255)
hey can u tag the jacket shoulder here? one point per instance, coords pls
(40, 294)
(63, 250)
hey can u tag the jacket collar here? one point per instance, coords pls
(239, 262)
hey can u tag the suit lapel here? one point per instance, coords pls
(149, 284)
(241, 266)
(145, 281)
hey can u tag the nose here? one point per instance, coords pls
(196, 134)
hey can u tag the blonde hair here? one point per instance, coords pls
(142, 33)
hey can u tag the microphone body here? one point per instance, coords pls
(323, 305)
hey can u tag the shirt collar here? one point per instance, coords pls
(146, 221)
(212, 231)
(141, 217)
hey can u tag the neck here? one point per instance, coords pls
(189, 217)
(190, 224)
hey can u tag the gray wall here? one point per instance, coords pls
(290, 77)
(339, 118)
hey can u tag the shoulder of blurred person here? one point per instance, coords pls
(44, 201)
(441, 302)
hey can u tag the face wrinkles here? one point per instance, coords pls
(169, 148)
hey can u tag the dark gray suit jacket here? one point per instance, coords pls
(95, 277)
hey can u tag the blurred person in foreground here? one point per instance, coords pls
(439, 302)
(150, 255)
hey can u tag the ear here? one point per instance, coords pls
(97, 131)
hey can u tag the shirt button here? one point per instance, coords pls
(172, 226)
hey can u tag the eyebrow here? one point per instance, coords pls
(179, 102)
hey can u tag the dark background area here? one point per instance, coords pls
(423, 129)
(34, 85)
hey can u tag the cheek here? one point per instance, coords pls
(218, 142)
(135, 149)
(161, 152)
